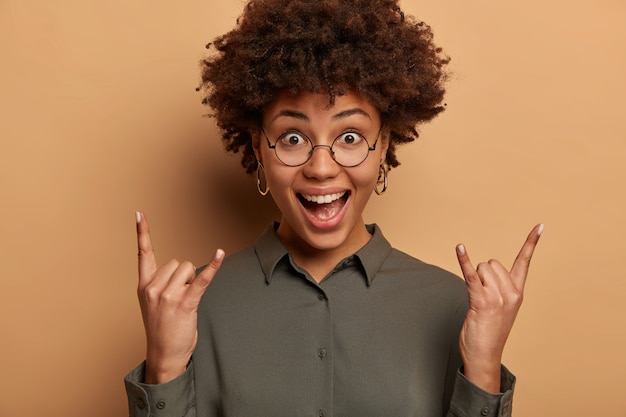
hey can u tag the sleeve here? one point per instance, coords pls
(176, 398)
(468, 400)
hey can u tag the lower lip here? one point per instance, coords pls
(326, 224)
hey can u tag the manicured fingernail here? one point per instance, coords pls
(461, 249)
(137, 216)
(219, 254)
(540, 230)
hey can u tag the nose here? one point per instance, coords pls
(321, 165)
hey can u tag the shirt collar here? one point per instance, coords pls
(374, 253)
(270, 251)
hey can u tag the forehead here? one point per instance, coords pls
(310, 106)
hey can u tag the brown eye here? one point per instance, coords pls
(349, 138)
(293, 139)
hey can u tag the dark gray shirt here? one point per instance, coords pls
(377, 337)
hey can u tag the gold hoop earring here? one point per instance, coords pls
(259, 169)
(382, 179)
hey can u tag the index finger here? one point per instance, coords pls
(146, 259)
(519, 270)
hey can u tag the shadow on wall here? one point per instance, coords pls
(210, 201)
(197, 198)
(239, 211)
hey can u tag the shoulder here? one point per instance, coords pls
(243, 260)
(239, 268)
(400, 267)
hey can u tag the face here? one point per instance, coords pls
(321, 201)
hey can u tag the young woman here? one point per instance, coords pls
(321, 316)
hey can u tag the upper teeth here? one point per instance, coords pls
(323, 199)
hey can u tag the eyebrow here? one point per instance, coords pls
(292, 113)
(351, 112)
(304, 117)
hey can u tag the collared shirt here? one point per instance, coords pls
(377, 337)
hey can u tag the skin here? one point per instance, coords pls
(169, 295)
(495, 297)
(315, 245)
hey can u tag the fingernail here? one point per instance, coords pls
(540, 230)
(137, 216)
(461, 249)
(219, 254)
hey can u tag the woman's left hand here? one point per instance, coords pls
(495, 296)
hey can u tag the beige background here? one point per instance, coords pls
(99, 117)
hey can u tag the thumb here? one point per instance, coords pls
(205, 275)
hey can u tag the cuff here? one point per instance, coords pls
(174, 398)
(468, 400)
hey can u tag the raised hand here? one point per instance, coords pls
(495, 296)
(169, 297)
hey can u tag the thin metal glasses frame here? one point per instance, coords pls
(330, 147)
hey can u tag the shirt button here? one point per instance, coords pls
(320, 413)
(321, 353)
(160, 405)
(321, 297)
(505, 408)
(140, 404)
(484, 411)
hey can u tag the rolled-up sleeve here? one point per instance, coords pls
(468, 400)
(172, 399)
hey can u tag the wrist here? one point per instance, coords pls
(160, 373)
(485, 376)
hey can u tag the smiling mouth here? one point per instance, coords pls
(324, 207)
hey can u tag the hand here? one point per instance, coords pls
(169, 297)
(495, 296)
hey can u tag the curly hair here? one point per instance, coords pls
(324, 46)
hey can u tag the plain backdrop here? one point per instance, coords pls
(99, 117)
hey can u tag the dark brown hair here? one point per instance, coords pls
(324, 46)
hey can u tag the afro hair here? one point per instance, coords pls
(324, 46)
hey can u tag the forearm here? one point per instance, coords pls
(485, 375)
(161, 371)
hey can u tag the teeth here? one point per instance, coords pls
(323, 199)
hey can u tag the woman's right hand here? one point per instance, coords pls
(169, 297)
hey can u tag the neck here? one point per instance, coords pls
(318, 262)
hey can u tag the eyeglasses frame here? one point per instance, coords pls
(330, 147)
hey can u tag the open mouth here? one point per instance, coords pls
(324, 207)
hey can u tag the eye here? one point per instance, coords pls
(350, 138)
(293, 139)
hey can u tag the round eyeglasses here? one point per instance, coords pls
(294, 148)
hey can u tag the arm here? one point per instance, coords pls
(495, 296)
(169, 297)
(173, 398)
(469, 400)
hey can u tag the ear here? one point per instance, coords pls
(385, 137)
(255, 134)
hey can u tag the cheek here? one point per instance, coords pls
(369, 175)
(279, 177)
